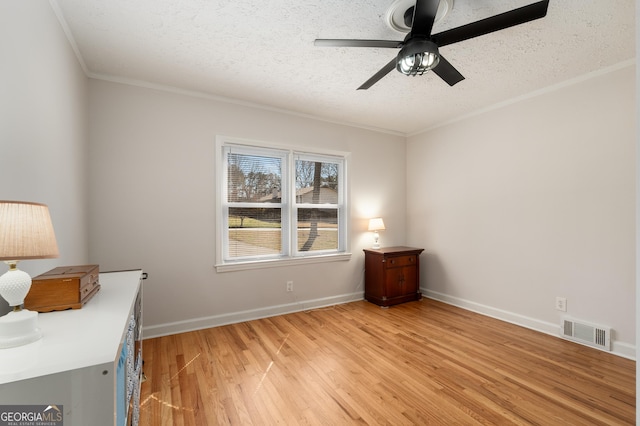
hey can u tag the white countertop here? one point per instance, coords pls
(77, 338)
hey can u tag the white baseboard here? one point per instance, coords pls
(152, 331)
(622, 349)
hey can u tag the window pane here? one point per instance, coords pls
(254, 178)
(279, 203)
(254, 232)
(316, 182)
(317, 229)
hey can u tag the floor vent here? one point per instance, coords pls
(589, 334)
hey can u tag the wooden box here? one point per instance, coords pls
(65, 287)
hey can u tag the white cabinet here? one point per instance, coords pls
(89, 360)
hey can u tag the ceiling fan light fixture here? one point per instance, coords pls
(417, 57)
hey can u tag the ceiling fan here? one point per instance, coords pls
(419, 50)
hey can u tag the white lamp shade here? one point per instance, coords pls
(376, 224)
(26, 231)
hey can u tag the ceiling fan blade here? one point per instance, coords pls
(447, 72)
(494, 23)
(424, 14)
(357, 43)
(377, 76)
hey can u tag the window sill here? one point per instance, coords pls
(275, 263)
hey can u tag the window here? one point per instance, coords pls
(279, 204)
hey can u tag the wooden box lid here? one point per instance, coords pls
(69, 272)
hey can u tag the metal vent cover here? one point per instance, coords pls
(597, 336)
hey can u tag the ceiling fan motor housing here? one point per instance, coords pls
(417, 56)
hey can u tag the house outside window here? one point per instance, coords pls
(279, 204)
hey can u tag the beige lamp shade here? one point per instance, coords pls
(26, 231)
(376, 224)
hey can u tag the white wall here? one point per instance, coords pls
(535, 200)
(43, 126)
(637, 319)
(152, 204)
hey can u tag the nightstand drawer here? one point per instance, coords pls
(398, 261)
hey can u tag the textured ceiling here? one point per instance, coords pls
(262, 52)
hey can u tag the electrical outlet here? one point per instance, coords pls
(561, 304)
(289, 285)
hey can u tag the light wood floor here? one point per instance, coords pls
(418, 363)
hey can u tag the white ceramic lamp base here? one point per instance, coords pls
(14, 285)
(376, 239)
(19, 328)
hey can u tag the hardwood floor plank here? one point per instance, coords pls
(421, 362)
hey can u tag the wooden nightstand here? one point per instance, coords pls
(392, 275)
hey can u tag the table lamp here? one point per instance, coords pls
(376, 224)
(26, 232)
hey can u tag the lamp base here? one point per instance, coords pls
(376, 239)
(19, 328)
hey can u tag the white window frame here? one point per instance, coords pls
(290, 255)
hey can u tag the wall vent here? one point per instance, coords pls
(589, 334)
